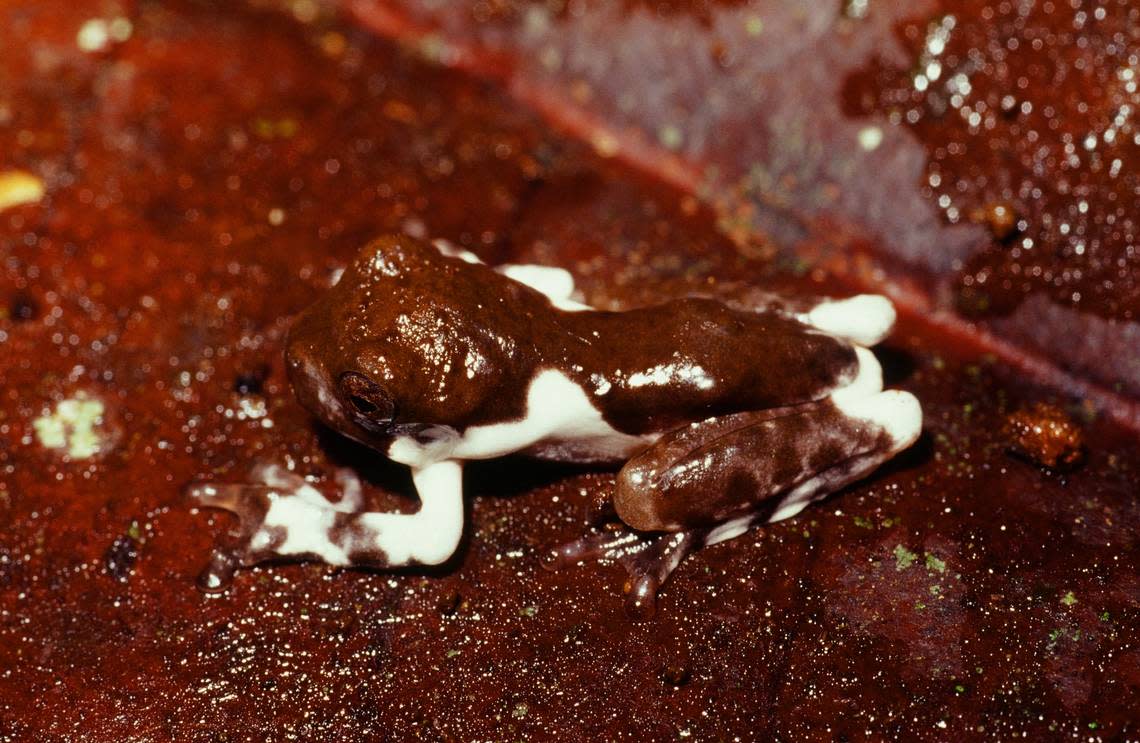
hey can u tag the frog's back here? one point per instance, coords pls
(691, 358)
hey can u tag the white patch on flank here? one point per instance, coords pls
(663, 374)
(557, 409)
(865, 319)
(557, 284)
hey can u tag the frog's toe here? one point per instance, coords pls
(648, 559)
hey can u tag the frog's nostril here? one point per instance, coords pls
(371, 403)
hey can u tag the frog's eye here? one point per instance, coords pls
(370, 404)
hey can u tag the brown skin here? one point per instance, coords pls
(411, 338)
(718, 469)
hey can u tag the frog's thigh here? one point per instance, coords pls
(761, 465)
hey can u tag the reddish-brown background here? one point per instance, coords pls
(961, 592)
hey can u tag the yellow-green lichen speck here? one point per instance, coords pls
(72, 427)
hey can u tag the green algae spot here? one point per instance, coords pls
(904, 558)
(934, 563)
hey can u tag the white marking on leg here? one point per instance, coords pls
(865, 319)
(427, 537)
(730, 529)
(868, 379)
(557, 284)
(306, 526)
(896, 411)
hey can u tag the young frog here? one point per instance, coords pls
(725, 416)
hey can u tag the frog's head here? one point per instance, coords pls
(407, 343)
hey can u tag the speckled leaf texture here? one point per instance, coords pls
(180, 178)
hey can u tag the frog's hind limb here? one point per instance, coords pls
(734, 473)
(281, 517)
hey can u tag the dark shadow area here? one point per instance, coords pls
(898, 365)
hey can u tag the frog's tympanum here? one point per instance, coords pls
(724, 416)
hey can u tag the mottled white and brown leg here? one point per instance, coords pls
(737, 471)
(283, 517)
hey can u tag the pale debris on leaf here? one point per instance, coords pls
(72, 427)
(19, 187)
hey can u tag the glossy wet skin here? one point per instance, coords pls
(729, 416)
(410, 339)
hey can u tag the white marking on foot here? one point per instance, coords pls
(306, 525)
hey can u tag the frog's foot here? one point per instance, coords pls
(649, 559)
(283, 517)
(271, 488)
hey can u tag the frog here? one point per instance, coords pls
(719, 414)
